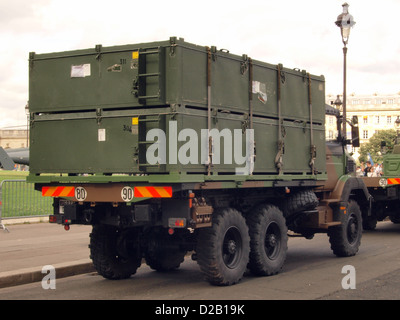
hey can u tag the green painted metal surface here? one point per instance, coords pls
(391, 166)
(92, 112)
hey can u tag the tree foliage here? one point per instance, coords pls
(373, 146)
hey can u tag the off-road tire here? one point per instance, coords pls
(268, 240)
(369, 223)
(163, 252)
(300, 201)
(106, 257)
(223, 249)
(345, 239)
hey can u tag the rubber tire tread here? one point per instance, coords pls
(258, 221)
(338, 234)
(163, 259)
(300, 201)
(209, 248)
(103, 252)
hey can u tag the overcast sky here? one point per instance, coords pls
(298, 34)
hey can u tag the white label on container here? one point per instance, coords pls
(80, 71)
(101, 135)
(260, 89)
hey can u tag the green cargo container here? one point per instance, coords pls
(92, 111)
(391, 165)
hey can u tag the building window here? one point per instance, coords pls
(365, 134)
(390, 101)
(365, 119)
(389, 119)
(376, 119)
(354, 102)
(367, 101)
(378, 101)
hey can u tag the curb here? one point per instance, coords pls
(63, 270)
(29, 275)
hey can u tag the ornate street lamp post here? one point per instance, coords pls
(345, 22)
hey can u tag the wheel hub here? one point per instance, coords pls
(352, 229)
(231, 247)
(272, 240)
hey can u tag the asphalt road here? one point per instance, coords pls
(311, 272)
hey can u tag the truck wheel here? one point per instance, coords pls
(223, 249)
(369, 223)
(115, 254)
(300, 201)
(345, 239)
(163, 252)
(268, 240)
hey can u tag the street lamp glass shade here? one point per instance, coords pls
(338, 102)
(345, 32)
(397, 123)
(345, 22)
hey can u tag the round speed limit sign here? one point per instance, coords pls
(80, 193)
(127, 194)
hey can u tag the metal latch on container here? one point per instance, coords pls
(244, 65)
(172, 41)
(98, 115)
(98, 51)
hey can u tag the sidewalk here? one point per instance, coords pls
(26, 248)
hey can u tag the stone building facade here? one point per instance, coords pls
(375, 112)
(13, 138)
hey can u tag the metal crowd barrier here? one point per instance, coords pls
(19, 199)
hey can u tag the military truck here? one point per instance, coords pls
(385, 191)
(168, 148)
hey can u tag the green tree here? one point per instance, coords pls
(373, 146)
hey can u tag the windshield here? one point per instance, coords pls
(331, 131)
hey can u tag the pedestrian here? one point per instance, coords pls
(378, 170)
(368, 169)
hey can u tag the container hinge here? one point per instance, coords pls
(172, 41)
(313, 154)
(279, 156)
(245, 122)
(98, 51)
(210, 154)
(244, 65)
(214, 53)
(31, 59)
(98, 116)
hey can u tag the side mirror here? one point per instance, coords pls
(355, 137)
